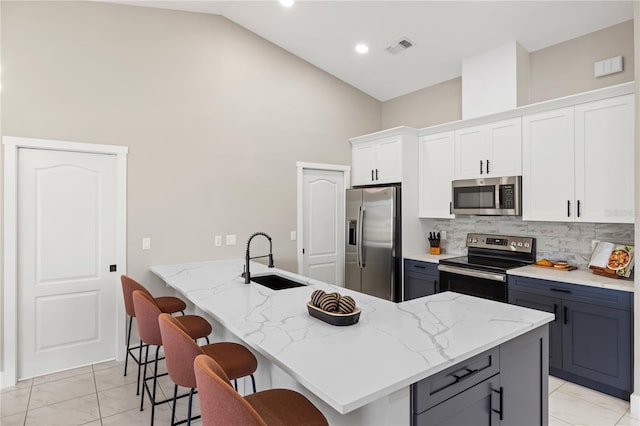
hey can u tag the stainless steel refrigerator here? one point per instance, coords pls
(373, 247)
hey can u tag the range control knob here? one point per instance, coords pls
(475, 240)
(519, 243)
(513, 243)
(526, 245)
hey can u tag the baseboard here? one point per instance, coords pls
(635, 405)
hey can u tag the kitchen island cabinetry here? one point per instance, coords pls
(590, 339)
(489, 150)
(488, 389)
(435, 172)
(420, 279)
(588, 146)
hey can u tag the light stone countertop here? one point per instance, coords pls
(392, 346)
(577, 276)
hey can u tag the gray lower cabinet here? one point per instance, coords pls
(506, 385)
(420, 279)
(590, 341)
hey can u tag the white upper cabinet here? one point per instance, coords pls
(604, 133)
(579, 163)
(435, 172)
(377, 162)
(548, 169)
(488, 150)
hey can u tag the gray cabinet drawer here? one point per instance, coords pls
(418, 267)
(450, 382)
(580, 293)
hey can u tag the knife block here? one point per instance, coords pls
(434, 250)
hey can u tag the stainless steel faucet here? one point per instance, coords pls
(247, 257)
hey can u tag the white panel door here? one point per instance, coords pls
(323, 230)
(436, 174)
(604, 160)
(66, 244)
(548, 166)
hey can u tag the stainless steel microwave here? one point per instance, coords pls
(497, 196)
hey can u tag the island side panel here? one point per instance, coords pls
(524, 378)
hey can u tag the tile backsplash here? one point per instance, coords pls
(554, 240)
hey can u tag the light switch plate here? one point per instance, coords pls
(231, 240)
(294, 235)
(146, 244)
(218, 240)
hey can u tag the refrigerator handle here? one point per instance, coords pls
(360, 237)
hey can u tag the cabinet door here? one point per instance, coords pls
(547, 304)
(388, 167)
(471, 152)
(597, 343)
(604, 160)
(504, 157)
(473, 407)
(548, 166)
(419, 285)
(363, 164)
(435, 175)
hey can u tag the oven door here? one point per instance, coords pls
(484, 284)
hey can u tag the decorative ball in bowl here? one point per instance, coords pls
(333, 308)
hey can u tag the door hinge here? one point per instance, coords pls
(112, 268)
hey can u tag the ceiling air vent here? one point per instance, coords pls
(400, 46)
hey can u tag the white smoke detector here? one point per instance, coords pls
(400, 46)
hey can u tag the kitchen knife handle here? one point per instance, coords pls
(480, 166)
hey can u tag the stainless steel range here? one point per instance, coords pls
(483, 271)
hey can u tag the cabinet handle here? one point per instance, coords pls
(578, 208)
(468, 373)
(568, 208)
(559, 290)
(376, 174)
(450, 207)
(419, 266)
(500, 411)
(487, 166)
(566, 315)
(555, 312)
(372, 179)
(480, 166)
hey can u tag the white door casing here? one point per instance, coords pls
(54, 229)
(321, 192)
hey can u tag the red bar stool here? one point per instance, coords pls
(167, 304)
(147, 313)
(220, 404)
(180, 351)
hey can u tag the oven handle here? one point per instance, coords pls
(473, 273)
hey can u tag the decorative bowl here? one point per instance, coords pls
(334, 318)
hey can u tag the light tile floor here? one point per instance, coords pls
(99, 395)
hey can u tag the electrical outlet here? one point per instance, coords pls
(294, 235)
(443, 235)
(146, 244)
(231, 240)
(218, 240)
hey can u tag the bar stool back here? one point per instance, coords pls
(180, 352)
(167, 304)
(148, 312)
(220, 404)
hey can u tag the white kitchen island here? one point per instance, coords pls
(359, 374)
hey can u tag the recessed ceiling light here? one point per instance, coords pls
(362, 48)
(286, 3)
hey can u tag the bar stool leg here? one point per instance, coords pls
(253, 382)
(126, 354)
(173, 408)
(155, 381)
(140, 366)
(144, 376)
(189, 409)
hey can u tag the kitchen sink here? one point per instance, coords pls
(276, 282)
